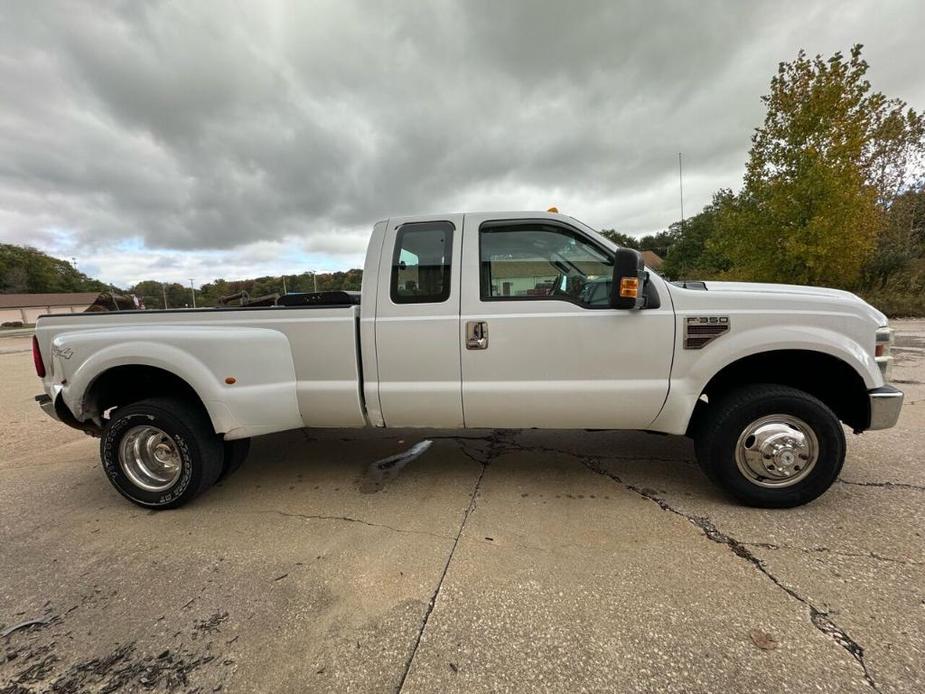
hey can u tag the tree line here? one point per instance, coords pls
(25, 270)
(178, 296)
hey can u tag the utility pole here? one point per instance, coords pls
(315, 280)
(284, 285)
(193, 290)
(164, 292)
(681, 188)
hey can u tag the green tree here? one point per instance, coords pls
(622, 240)
(830, 154)
(152, 293)
(211, 292)
(690, 255)
(901, 244)
(659, 243)
(28, 270)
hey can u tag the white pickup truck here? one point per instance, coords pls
(498, 320)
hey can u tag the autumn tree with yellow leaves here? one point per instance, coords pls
(823, 169)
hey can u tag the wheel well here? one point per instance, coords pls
(828, 378)
(123, 385)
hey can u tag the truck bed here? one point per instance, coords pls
(320, 356)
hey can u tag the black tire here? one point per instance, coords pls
(722, 423)
(234, 452)
(197, 447)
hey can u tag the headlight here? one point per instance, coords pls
(882, 348)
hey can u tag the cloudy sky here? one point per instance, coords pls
(169, 140)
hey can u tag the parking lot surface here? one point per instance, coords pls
(494, 561)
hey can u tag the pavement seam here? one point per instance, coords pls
(820, 619)
(350, 519)
(493, 442)
(837, 552)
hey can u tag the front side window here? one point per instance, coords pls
(421, 263)
(543, 261)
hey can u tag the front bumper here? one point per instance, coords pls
(885, 404)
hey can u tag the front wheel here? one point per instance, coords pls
(771, 446)
(160, 452)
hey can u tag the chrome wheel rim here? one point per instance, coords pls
(778, 450)
(149, 457)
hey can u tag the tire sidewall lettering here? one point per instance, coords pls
(110, 458)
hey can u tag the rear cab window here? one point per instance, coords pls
(421, 263)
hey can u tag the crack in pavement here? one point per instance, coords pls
(819, 618)
(471, 455)
(886, 485)
(837, 552)
(500, 442)
(350, 519)
(493, 443)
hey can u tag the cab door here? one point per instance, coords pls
(417, 323)
(541, 345)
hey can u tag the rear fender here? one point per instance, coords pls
(245, 377)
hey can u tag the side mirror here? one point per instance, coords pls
(627, 291)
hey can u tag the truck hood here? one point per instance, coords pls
(764, 288)
(798, 292)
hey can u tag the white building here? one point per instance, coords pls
(28, 307)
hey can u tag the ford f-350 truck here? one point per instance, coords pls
(498, 320)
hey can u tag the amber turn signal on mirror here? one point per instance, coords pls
(629, 287)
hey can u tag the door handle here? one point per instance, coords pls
(476, 334)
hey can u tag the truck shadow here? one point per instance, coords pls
(413, 462)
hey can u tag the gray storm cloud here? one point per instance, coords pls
(197, 126)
